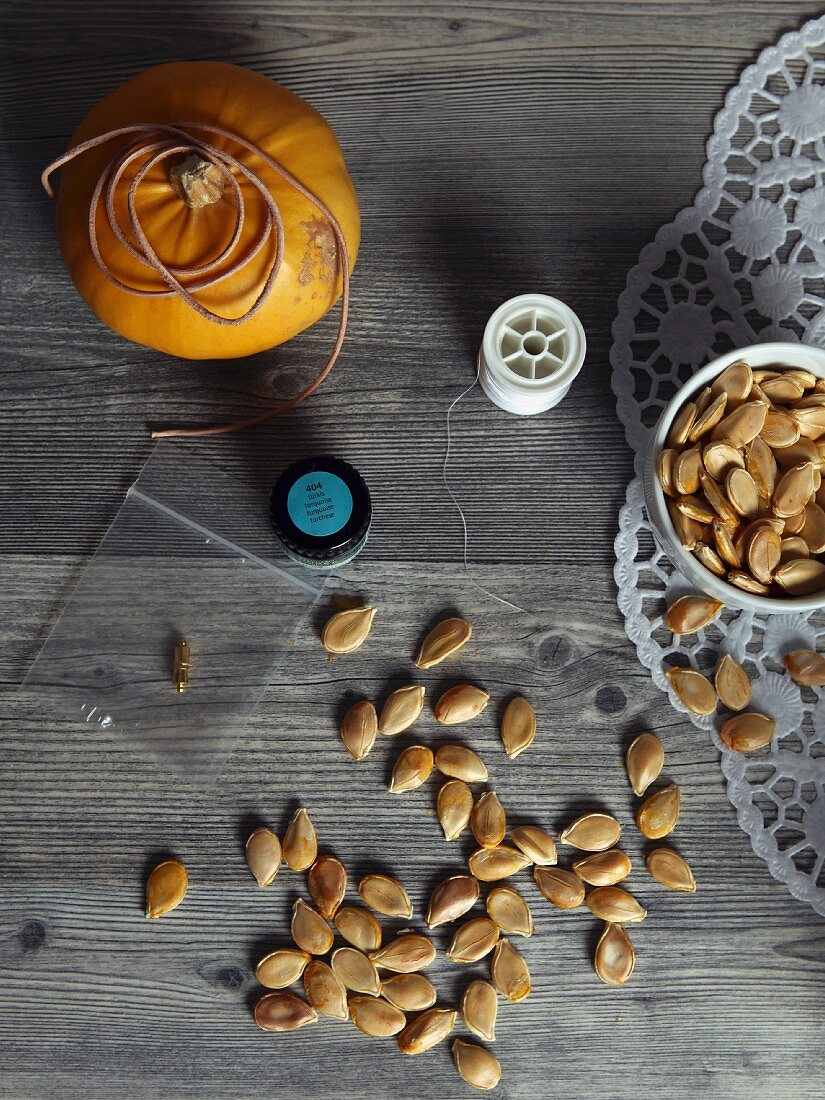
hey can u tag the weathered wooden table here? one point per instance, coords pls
(496, 148)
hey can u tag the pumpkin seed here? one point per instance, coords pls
(459, 762)
(442, 641)
(537, 845)
(747, 583)
(795, 524)
(742, 425)
(806, 378)
(281, 968)
(346, 630)
(710, 559)
(473, 940)
(165, 888)
(325, 992)
(358, 927)
(615, 955)
(614, 905)
(703, 400)
(327, 884)
(718, 501)
(309, 929)
(508, 909)
(354, 970)
(782, 388)
(359, 729)
(459, 704)
(658, 814)
(801, 576)
(760, 462)
(494, 864)
(724, 545)
(509, 972)
(376, 1017)
(644, 761)
(764, 551)
(793, 547)
(733, 685)
(696, 508)
(682, 423)
(668, 868)
(688, 531)
(811, 421)
(742, 492)
(411, 769)
(747, 732)
(408, 952)
(810, 401)
(804, 450)
(806, 667)
(426, 1030)
(813, 531)
(708, 418)
(454, 807)
(736, 381)
(476, 1066)
(562, 888)
(592, 832)
(719, 458)
(689, 614)
(300, 845)
(385, 895)
(409, 992)
(488, 821)
(664, 470)
(692, 689)
(518, 727)
(451, 899)
(794, 490)
(283, 1012)
(400, 710)
(780, 429)
(604, 868)
(263, 855)
(479, 1009)
(687, 466)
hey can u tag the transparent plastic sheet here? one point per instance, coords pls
(189, 555)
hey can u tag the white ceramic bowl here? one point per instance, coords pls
(759, 356)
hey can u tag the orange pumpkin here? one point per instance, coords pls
(186, 207)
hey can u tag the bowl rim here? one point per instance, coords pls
(792, 356)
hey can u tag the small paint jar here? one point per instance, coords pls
(321, 510)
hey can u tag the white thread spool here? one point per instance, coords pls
(533, 348)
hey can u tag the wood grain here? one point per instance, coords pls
(496, 148)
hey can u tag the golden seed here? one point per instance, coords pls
(479, 1009)
(703, 400)
(691, 613)
(409, 992)
(779, 430)
(733, 685)
(327, 884)
(709, 417)
(476, 1066)
(719, 502)
(459, 762)
(763, 554)
(426, 1030)
(806, 667)
(454, 807)
(473, 940)
(494, 864)
(401, 709)
(668, 867)
(760, 462)
(697, 508)
(793, 547)
(688, 531)
(801, 576)
(346, 630)
(806, 379)
(794, 489)
(615, 905)
(281, 968)
(592, 832)
(747, 583)
(518, 726)
(813, 531)
(508, 909)
(165, 888)
(459, 704)
(736, 381)
(385, 895)
(283, 1012)
(562, 888)
(719, 458)
(359, 729)
(376, 1017)
(658, 814)
(693, 689)
(408, 952)
(603, 868)
(300, 845)
(682, 423)
(644, 761)
(710, 559)
(783, 388)
(742, 425)
(742, 493)
(664, 470)
(810, 421)
(794, 524)
(451, 899)
(509, 972)
(687, 469)
(412, 769)
(488, 821)
(263, 855)
(325, 992)
(724, 545)
(804, 450)
(309, 929)
(442, 641)
(358, 927)
(537, 845)
(354, 970)
(747, 732)
(615, 956)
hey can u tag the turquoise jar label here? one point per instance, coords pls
(319, 504)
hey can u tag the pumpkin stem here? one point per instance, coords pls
(197, 181)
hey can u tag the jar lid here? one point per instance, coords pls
(320, 508)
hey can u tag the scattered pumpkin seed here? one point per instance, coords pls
(359, 928)
(359, 729)
(426, 1030)
(562, 888)
(454, 807)
(518, 726)
(401, 710)
(479, 1009)
(658, 814)
(806, 667)
(668, 868)
(346, 630)
(376, 1017)
(473, 940)
(644, 761)
(509, 972)
(508, 909)
(488, 821)
(263, 855)
(459, 704)
(691, 613)
(494, 864)
(592, 832)
(327, 884)
(747, 732)
(309, 929)
(325, 992)
(409, 992)
(443, 640)
(451, 899)
(385, 895)
(408, 952)
(615, 955)
(283, 1011)
(476, 1066)
(614, 905)
(733, 685)
(412, 768)
(165, 888)
(603, 868)
(459, 762)
(354, 970)
(693, 689)
(281, 968)
(300, 845)
(537, 845)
